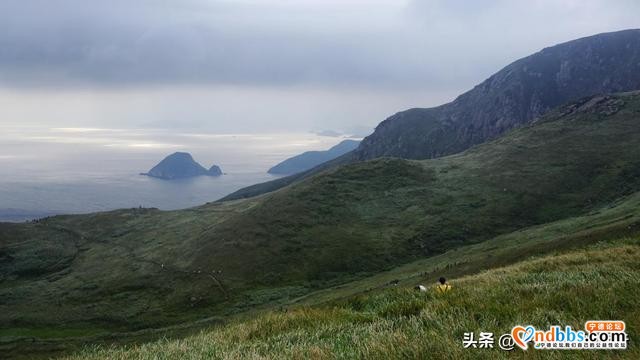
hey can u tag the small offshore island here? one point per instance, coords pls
(181, 165)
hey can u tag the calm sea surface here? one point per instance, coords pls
(77, 170)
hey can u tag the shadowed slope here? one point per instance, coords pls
(385, 211)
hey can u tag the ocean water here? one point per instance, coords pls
(78, 170)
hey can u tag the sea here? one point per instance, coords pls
(51, 171)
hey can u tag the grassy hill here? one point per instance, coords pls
(620, 219)
(73, 278)
(598, 282)
(380, 213)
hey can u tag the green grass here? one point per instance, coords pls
(131, 270)
(598, 282)
(52, 332)
(618, 220)
(381, 213)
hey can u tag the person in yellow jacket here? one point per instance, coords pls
(442, 286)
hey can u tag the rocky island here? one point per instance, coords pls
(181, 165)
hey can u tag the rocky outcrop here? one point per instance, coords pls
(215, 171)
(181, 165)
(514, 96)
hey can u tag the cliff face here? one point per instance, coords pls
(514, 96)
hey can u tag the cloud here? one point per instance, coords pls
(194, 42)
(387, 44)
(246, 65)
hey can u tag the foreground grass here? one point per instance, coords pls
(620, 219)
(599, 282)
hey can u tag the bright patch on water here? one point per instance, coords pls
(77, 170)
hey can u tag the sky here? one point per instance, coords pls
(250, 66)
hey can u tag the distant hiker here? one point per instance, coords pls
(442, 286)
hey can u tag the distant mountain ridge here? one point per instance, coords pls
(310, 159)
(181, 165)
(514, 96)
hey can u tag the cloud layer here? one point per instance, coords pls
(304, 63)
(334, 43)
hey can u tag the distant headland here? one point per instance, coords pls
(310, 159)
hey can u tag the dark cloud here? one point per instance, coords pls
(116, 42)
(424, 44)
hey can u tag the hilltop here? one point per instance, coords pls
(512, 97)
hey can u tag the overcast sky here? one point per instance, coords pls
(267, 65)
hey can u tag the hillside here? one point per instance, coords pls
(404, 323)
(619, 219)
(93, 275)
(514, 96)
(311, 159)
(387, 211)
(273, 185)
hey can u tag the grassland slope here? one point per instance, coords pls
(598, 282)
(141, 268)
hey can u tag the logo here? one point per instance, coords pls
(597, 335)
(609, 335)
(521, 335)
